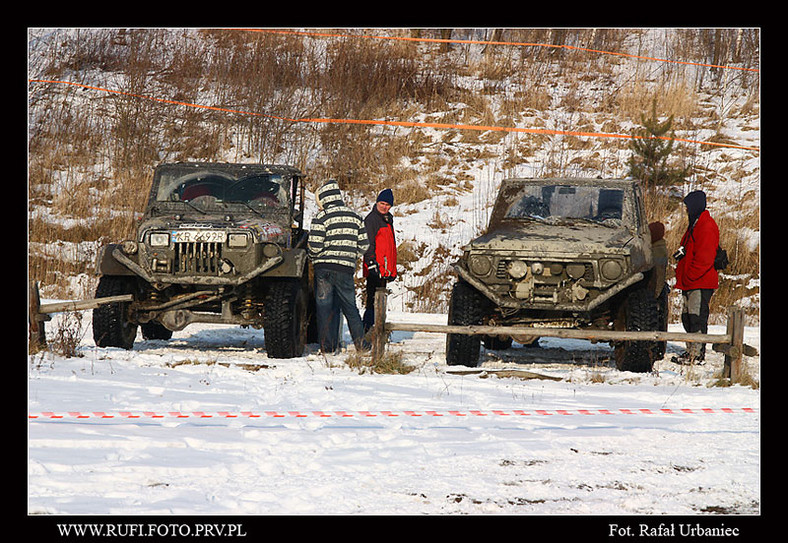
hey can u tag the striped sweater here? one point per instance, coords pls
(337, 237)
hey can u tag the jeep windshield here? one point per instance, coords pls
(204, 188)
(562, 204)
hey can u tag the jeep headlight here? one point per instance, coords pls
(271, 250)
(237, 240)
(159, 239)
(479, 265)
(611, 269)
(518, 269)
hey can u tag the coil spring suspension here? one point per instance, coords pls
(249, 303)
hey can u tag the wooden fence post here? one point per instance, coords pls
(35, 320)
(736, 330)
(379, 336)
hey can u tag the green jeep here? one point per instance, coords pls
(218, 243)
(573, 253)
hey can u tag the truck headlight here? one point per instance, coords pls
(518, 269)
(159, 239)
(611, 269)
(479, 265)
(237, 240)
(270, 250)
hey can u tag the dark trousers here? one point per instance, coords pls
(334, 289)
(695, 317)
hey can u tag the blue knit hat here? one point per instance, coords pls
(386, 196)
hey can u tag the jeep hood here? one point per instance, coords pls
(545, 239)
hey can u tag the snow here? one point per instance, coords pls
(704, 460)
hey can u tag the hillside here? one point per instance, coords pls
(448, 115)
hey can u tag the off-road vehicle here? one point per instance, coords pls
(217, 243)
(573, 253)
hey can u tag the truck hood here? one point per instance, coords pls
(543, 239)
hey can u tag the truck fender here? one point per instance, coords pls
(107, 264)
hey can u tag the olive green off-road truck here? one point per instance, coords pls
(572, 253)
(217, 243)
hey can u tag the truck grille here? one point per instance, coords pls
(198, 257)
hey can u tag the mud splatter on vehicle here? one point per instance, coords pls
(217, 243)
(572, 253)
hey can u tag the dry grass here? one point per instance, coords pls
(391, 362)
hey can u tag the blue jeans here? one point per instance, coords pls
(336, 289)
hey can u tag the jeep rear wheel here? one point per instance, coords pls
(497, 343)
(637, 313)
(466, 306)
(155, 330)
(112, 326)
(285, 323)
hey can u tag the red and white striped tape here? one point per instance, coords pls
(49, 415)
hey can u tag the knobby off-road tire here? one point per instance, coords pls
(112, 326)
(496, 343)
(466, 306)
(637, 313)
(155, 330)
(660, 347)
(285, 323)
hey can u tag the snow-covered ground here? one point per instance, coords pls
(206, 424)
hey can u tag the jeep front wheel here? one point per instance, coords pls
(112, 326)
(466, 307)
(638, 312)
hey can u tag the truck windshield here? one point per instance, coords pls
(207, 187)
(564, 203)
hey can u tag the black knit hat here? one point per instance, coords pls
(386, 196)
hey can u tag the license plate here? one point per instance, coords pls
(204, 236)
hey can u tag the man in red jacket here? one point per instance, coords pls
(696, 276)
(380, 260)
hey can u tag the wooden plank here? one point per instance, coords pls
(518, 373)
(59, 307)
(566, 333)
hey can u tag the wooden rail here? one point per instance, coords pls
(731, 343)
(38, 313)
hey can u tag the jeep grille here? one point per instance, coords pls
(198, 257)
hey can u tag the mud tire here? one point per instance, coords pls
(286, 321)
(638, 312)
(496, 343)
(112, 326)
(466, 306)
(155, 330)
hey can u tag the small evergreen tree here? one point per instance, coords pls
(651, 150)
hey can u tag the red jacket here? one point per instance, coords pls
(382, 250)
(696, 269)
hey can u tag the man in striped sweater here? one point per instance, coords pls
(337, 240)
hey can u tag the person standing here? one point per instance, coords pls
(380, 260)
(337, 239)
(696, 276)
(658, 282)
